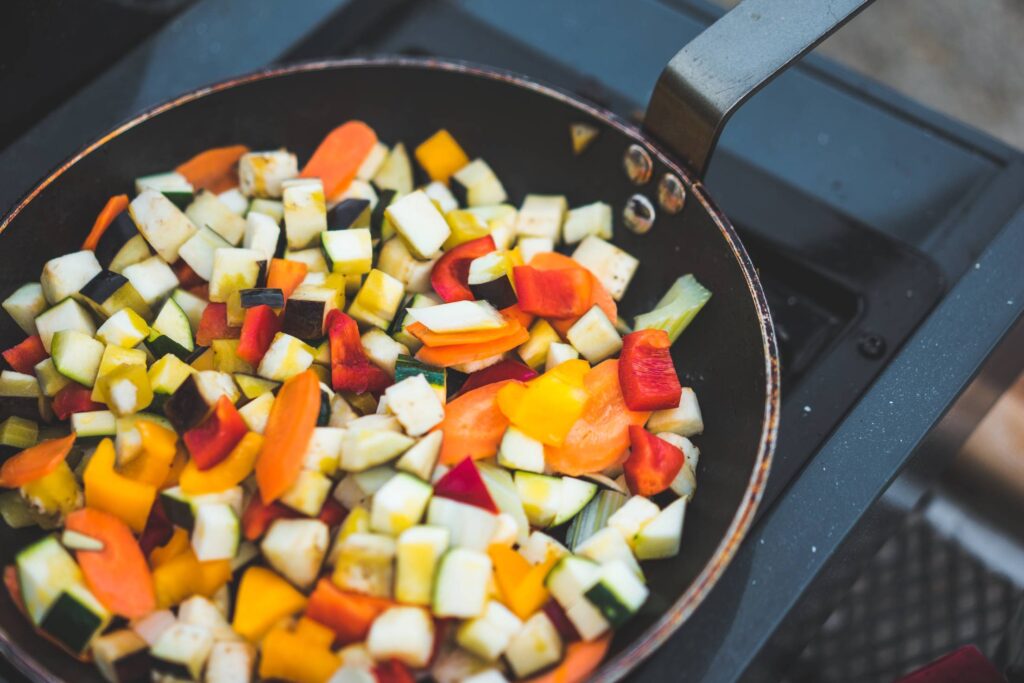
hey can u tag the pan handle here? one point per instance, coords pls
(730, 61)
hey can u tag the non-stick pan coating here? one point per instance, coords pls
(522, 130)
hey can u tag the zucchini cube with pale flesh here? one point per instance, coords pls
(594, 336)
(476, 184)
(296, 549)
(418, 551)
(66, 316)
(405, 634)
(66, 275)
(420, 224)
(378, 300)
(235, 270)
(208, 210)
(365, 564)
(261, 174)
(305, 212)
(286, 357)
(24, 305)
(349, 252)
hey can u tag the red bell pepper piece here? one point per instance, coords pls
(212, 439)
(187, 278)
(214, 325)
(351, 370)
(258, 330)
(506, 369)
(652, 463)
(646, 372)
(74, 398)
(392, 671)
(349, 615)
(464, 484)
(24, 356)
(158, 529)
(553, 293)
(450, 276)
(258, 516)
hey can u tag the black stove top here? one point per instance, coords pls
(889, 240)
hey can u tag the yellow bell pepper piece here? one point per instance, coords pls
(131, 384)
(465, 226)
(264, 598)
(183, 576)
(549, 405)
(227, 473)
(531, 593)
(177, 467)
(109, 491)
(178, 544)
(510, 568)
(56, 492)
(441, 156)
(291, 657)
(314, 632)
(158, 450)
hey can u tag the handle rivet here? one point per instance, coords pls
(638, 164)
(671, 193)
(638, 214)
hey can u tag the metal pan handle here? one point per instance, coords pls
(731, 60)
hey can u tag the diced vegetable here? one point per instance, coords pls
(162, 223)
(419, 222)
(592, 219)
(684, 419)
(418, 550)
(536, 646)
(396, 171)
(595, 336)
(378, 299)
(289, 428)
(260, 174)
(25, 305)
(415, 404)
(652, 463)
(470, 526)
(66, 316)
(461, 586)
(340, 155)
(348, 614)
(440, 155)
(296, 548)
(542, 216)
(677, 309)
(475, 184)
(552, 293)
(66, 275)
(402, 633)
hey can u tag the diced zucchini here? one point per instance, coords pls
(542, 216)
(198, 251)
(519, 451)
(540, 546)
(587, 620)
(571, 578)
(208, 210)
(608, 545)
(685, 419)
(366, 447)
(152, 278)
(460, 589)
(594, 336)
(396, 171)
(324, 450)
(536, 646)
(216, 532)
(407, 366)
(373, 161)
(296, 549)
(152, 626)
(68, 315)
(382, 350)
(260, 174)
(541, 497)
(531, 246)
(286, 357)
(441, 196)
(502, 489)
(418, 550)
(17, 432)
(126, 389)
(305, 213)
(611, 265)
(235, 270)
(488, 635)
(471, 527)
(414, 402)
(418, 221)
(378, 299)
(192, 305)
(534, 351)
(168, 373)
(77, 355)
(558, 353)
(235, 200)
(135, 250)
(629, 519)
(45, 570)
(50, 380)
(660, 537)
(365, 564)
(94, 423)
(174, 185)
(349, 252)
(399, 504)
(594, 517)
(122, 656)
(308, 494)
(25, 305)
(257, 411)
(75, 618)
(183, 509)
(253, 386)
(271, 208)
(125, 328)
(112, 358)
(187, 646)
(677, 309)
(66, 275)
(618, 593)
(171, 332)
(475, 184)
(204, 612)
(396, 260)
(162, 223)
(421, 458)
(261, 233)
(405, 634)
(19, 395)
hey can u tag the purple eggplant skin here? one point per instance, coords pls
(345, 213)
(304, 319)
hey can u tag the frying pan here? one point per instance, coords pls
(728, 354)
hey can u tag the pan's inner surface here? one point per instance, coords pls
(523, 134)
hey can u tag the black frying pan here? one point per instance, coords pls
(728, 354)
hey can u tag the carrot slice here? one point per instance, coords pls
(601, 434)
(111, 210)
(581, 658)
(339, 156)
(215, 169)
(473, 425)
(289, 428)
(599, 296)
(286, 275)
(431, 338)
(35, 462)
(446, 356)
(117, 575)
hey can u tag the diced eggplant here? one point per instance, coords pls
(418, 221)
(19, 395)
(257, 411)
(118, 234)
(405, 634)
(183, 649)
(396, 171)
(378, 299)
(198, 251)
(235, 200)
(365, 564)
(313, 258)
(66, 275)
(108, 293)
(208, 210)
(25, 305)
(67, 315)
(153, 279)
(399, 504)
(349, 252)
(490, 279)
(195, 397)
(380, 226)
(373, 161)
(344, 214)
(135, 250)
(612, 266)
(271, 208)
(542, 216)
(262, 233)
(171, 332)
(171, 184)
(260, 174)
(286, 357)
(305, 212)
(307, 310)
(594, 336)
(442, 196)
(475, 184)
(531, 246)
(162, 223)
(592, 219)
(261, 296)
(122, 657)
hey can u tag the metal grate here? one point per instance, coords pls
(921, 596)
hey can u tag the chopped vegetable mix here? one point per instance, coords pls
(313, 423)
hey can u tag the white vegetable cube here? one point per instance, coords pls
(415, 404)
(690, 451)
(488, 635)
(308, 494)
(235, 200)
(373, 161)
(305, 213)
(295, 548)
(208, 210)
(608, 545)
(395, 173)
(260, 174)
(76, 355)
(261, 234)
(399, 504)
(684, 420)
(186, 644)
(418, 221)
(421, 458)
(441, 195)
(313, 258)
(480, 184)
(126, 329)
(660, 537)
(234, 270)
(25, 304)
(594, 336)
(542, 216)
(685, 483)
(506, 531)
(198, 251)
(162, 223)
(358, 189)
(286, 357)
(592, 219)
(204, 612)
(363, 448)
(67, 315)
(470, 526)
(587, 620)
(531, 246)
(618, 593)
(382, 350)
(419, 549)
(536, 646)
(558, 353)
(539, 546)
(349, 252)
(462, 581)
(612, 266)
(324, 449)
(66, 275)
(257, 411)
(152, 278)
(518, 451)
(402, 633)
(486, 676)
(230, 662)
(152, 626)
(629, 519)
(458, 316)
(365, 564)
(216, 532)
(378, 299)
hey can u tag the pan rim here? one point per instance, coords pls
(681, 609)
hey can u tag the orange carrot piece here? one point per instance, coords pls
(35, 462)
(111, 210)
(601, 435)
(286, 275)
(117, 575)
(473, 425)
(525, 319)
(446, 356)
(214, 169)
(510, 568)
(289, 428)
(431, 338)
(339, 156)
(581, 658)
(599, 296)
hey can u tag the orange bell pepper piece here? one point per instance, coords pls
(110, 491)
(227, 473)
(152, 465)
